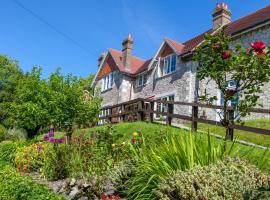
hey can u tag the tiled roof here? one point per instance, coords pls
(194, 42)
(178, 47)
(137, 64)
(237, 26)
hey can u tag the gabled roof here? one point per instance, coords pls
(178, 47)
(137, 64)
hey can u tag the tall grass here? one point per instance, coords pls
(175, 152)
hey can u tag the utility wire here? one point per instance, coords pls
(54, 28)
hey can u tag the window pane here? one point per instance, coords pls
(173, 63)
(145, 79)
(111, 79)
(107, 82)
(171, 98)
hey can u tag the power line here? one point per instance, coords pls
(54, 28)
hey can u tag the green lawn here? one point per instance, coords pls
(243, 135)
(124, 130)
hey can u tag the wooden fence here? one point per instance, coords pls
(144, 110)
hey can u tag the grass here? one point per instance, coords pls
(259, 139)
(124, 132)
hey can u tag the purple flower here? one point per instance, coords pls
(46, 137)
(61, 140)
(52, 140)
(51, 134)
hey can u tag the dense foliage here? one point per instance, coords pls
(221, 62)
(33, 103)
(174, 152)
(14, 186)
(10, 74)
(228, 179)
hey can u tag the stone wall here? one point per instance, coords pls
(110, 96)
(180, 83)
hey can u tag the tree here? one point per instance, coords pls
(74, 105)
(59, 101)
(31, 107)
(10, 74)
(249, 68)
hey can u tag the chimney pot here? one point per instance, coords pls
(221, 15)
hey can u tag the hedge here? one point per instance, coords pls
(13, 186)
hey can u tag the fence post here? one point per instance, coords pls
(140, 115)
(169, 111)
(123, 116)
(194, 125)
(110, 118)
(230, 116)
(151, 112)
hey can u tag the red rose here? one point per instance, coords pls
(258, 46)
(110, 196)
(104, 197)
(226, 54)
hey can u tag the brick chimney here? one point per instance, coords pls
(221, 15)
(127, 46)
(100, 58)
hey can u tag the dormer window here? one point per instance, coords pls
(141, 80)
(107, 81)
(167, 65)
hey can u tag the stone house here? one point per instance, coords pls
(171, 73)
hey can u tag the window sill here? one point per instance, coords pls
(166, 75)
(139, 86)
(103, 91)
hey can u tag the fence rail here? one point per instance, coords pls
(144, 110)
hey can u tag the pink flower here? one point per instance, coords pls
(226, 55)
(258, 46)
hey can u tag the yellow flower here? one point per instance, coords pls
(135, 134)
(123, 143)
(113, 145)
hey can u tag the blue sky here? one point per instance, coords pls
(95, 25)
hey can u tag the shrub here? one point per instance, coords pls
(15, 134)
(2, 132)
(14, 186)
(175, 152)
(228, 179)
(30, 158)
(120, 174)
(7, 151)
(56, 158)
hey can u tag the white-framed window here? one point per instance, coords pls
(107, 81)
(234, 102)
(167, 65)
(141, 80)
(161, 107)
(231, 84)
